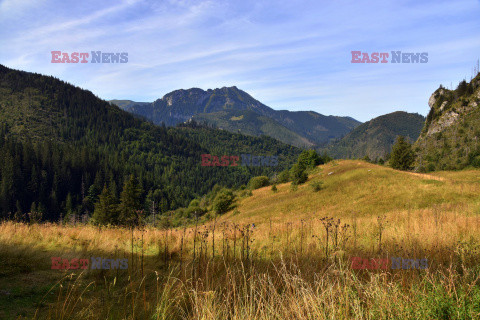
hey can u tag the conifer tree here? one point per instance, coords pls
(130, 202)
(402, 157)
(106, 208)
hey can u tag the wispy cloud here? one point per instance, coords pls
(293, 55)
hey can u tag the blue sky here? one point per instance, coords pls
(291, 55)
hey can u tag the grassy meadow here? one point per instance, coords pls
(277, 255)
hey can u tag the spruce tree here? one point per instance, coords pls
(106, 208)
(130, 202)
(402, 157)
(69, 204)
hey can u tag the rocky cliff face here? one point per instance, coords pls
(447, 116)
(452, 128)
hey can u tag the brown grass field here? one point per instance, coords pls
(294, 263)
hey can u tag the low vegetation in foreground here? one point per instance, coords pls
(283, 254)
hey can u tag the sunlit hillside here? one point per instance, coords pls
(357, 188)
(294, 247)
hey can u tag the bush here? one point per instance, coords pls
(326, 158)
(274, 188)
(194, 203)
(316, 185)
(284, 176)
(245, 193)
(258, 182)
(475, 162)
(223, 201)
(298, 174)
(194, 211)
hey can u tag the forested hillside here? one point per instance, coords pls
(61, 145)
(376, 137)
(251, 123)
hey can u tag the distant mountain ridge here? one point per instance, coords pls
(125, 104)
(300, 128)
(376, 137)
(251, 123)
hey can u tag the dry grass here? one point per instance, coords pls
(360, 187)
(284, 267)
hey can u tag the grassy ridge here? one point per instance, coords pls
(352, 186)
(283, 268)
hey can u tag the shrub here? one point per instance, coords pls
(223, 201)
(475, 161)
(194, 210)
(298, 174)
(284, 176)
(421, 169)
(431, 167)
(316, 185)
(194, 203)
(274, 188)
(258, 182)
(245, 193)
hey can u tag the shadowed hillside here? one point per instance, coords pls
(376, 137)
